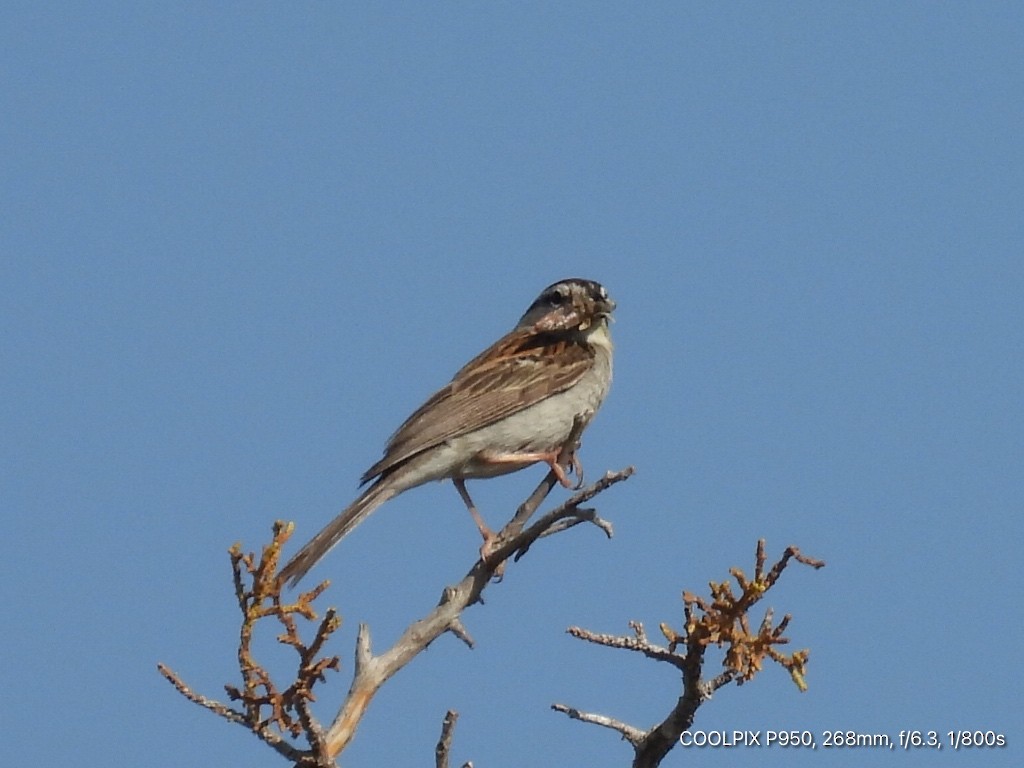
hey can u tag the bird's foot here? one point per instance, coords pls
(577, 469)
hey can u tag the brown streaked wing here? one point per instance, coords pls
(519, 370)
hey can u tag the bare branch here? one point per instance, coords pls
(372, 673)
(566, 511)
(272, 713)
(444, 744)
(633, 735)
(459, 630)
(580, 516)
(638, 643)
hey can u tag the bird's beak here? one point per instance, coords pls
(604, 308)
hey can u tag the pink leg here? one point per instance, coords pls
(487, 534)
(550, 458)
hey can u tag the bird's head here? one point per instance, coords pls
(573, 304)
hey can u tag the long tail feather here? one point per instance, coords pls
(335, 531)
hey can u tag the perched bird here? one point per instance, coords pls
(511, 406)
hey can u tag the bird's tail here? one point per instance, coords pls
(335, 531)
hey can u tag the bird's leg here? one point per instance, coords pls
(549, 457)
(488, 535)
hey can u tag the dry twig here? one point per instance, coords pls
(444, 744)
(273, 713)
(722, 622)
(372, 671)
(267, 710)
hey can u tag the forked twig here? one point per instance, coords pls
(723, 621)
(270, 712)
(276, 713)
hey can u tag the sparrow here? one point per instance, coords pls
(511, 406)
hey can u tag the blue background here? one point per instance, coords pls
(240, 242)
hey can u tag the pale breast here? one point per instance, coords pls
(540, 428)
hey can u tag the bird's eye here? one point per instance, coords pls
(556, 298)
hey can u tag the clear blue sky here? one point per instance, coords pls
(240, 242)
